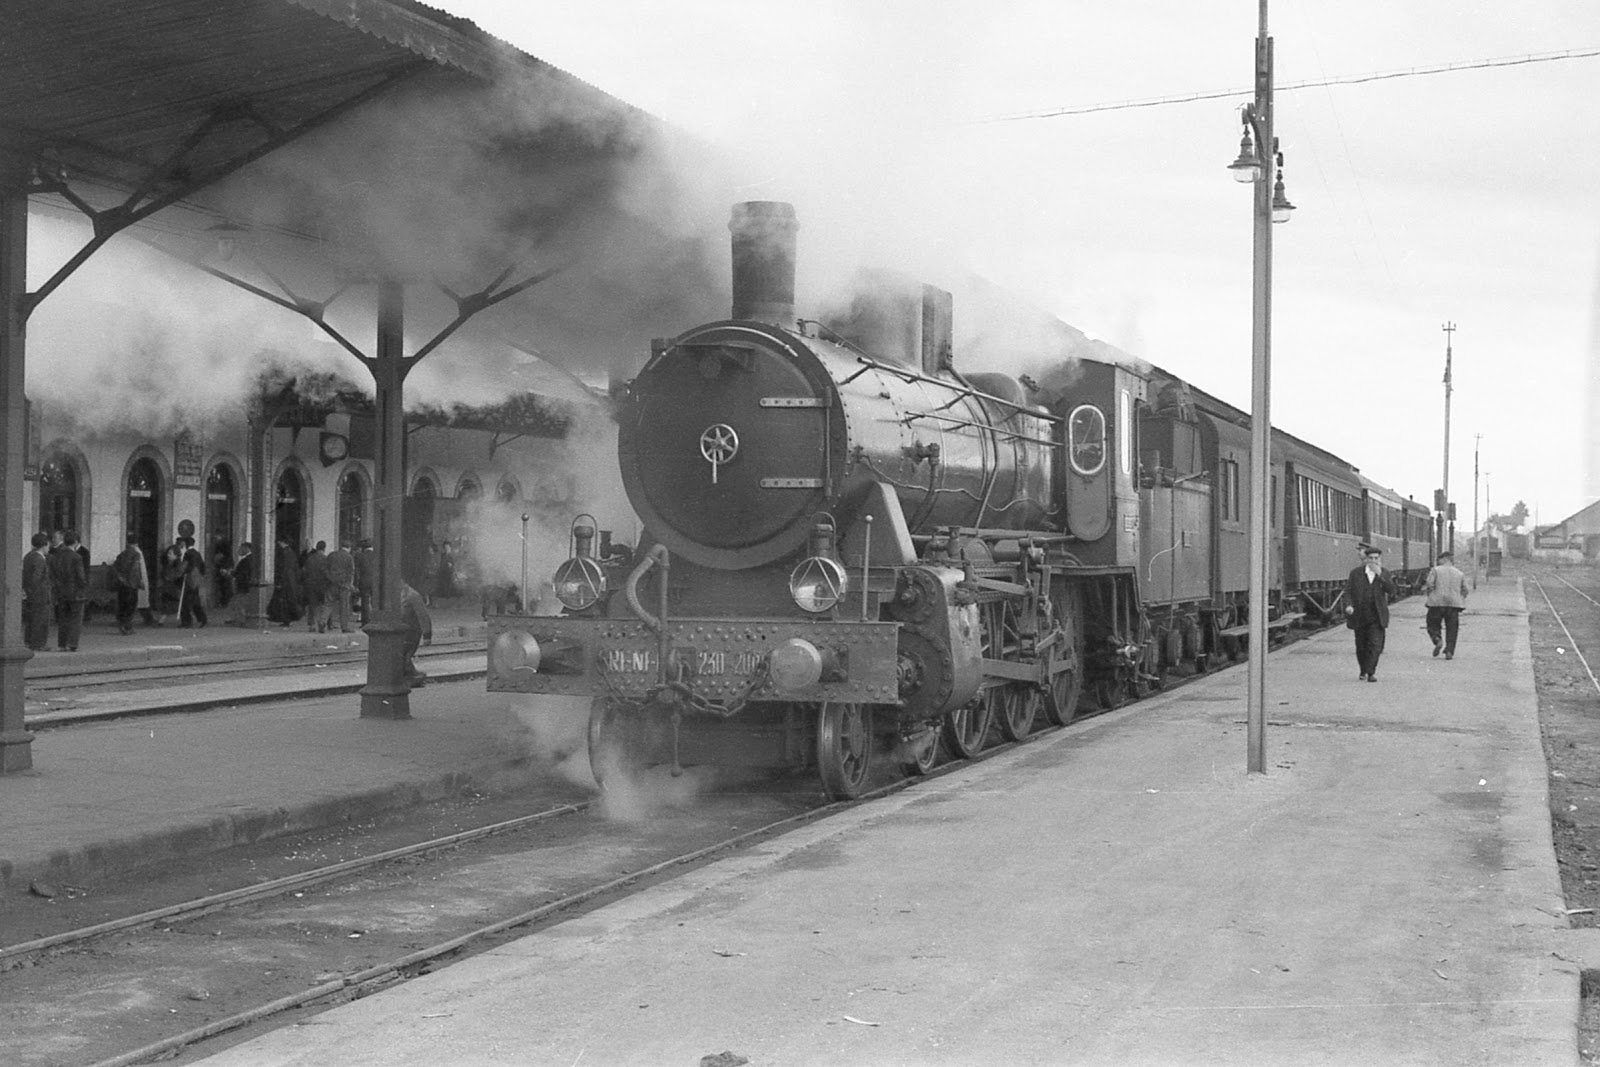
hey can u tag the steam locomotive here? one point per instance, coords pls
(852, 548)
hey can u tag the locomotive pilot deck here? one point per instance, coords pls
(722, 660)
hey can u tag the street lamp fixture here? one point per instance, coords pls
(1280, 203)
(1247, 168)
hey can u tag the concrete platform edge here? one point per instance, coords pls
(124, 857)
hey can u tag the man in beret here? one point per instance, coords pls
(1367, 593)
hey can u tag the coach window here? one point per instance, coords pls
(1086, 439)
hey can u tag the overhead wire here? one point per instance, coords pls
(1349, 79)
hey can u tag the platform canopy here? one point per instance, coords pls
(168, 95)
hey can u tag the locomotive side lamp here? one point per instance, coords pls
(818, 582)
(580, 582)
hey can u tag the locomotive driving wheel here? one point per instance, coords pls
(844, 748)
(1014, 704)
(1063, 667)
(966, 727)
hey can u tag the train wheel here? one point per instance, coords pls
(616, 741)
(966, 728)
(844, 748)
(1016, 706)
(1066, 682)
(922, 754)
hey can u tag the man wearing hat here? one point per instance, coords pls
(1446, 588)
(1367, 593)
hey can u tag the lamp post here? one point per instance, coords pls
(1447, 542)
(1260, 163)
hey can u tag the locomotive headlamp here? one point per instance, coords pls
(579, 583)
(794, 665)
(514, 651)
(818, 583)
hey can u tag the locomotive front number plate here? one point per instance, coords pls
(718, 658)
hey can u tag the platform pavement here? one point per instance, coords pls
(110, 797)
(1118, 893)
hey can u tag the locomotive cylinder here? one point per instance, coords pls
(763, 261)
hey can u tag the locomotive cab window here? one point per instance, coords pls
(1086, 439)
(1125, 430)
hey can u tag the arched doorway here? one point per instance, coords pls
(222, 504)
(289, 509)
(352, 507)
(60, 502)
(142, 511)
(416, 531)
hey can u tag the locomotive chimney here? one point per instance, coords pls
(763, 261)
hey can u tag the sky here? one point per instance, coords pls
(915, 134)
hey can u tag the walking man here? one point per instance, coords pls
(193, 608)
(38, 595)
(1446, 588)
(1367, 593)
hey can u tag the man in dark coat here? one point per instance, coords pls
(314, 585)
(126, 577)
(287, 601)
(38, 595)
(244, 584)
(70, 580)
(1367, 593)
(193, 607)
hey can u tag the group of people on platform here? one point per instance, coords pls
(330, 590)
(55, 587)
(1368, 591)
(327, 589)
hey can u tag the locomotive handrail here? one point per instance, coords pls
(657, 554)
(967, 422)
(913, 376)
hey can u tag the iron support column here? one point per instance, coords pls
(262, 537)
(387, 694)
(16, 743)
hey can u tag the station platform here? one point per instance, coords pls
(275, 752)
(1119, 892)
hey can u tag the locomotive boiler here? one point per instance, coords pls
(852, 547)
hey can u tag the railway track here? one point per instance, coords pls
(223, 928)
(340, 931)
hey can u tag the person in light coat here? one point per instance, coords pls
(1446, 590)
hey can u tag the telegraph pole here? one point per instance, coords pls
(1477, 440)
(1450, 544)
